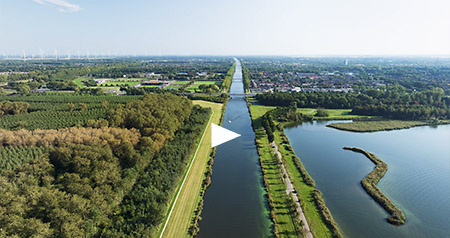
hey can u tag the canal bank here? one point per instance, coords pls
(235, 204)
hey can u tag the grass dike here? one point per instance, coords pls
(369, 183)
(186, 212)
(317, 214)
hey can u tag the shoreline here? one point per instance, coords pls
(397, 217)
(380, 125)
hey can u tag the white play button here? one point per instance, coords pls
(221, 135)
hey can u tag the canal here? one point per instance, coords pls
(235, 204)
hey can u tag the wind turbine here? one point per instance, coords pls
(87, 54)
(68, 54)
(24, 55)
(42, 53)
(56, 54)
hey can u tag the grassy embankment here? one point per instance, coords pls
(381, 125)
(280, 212)
(192, 192)
(317, 214)
(369, 183)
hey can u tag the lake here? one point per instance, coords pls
(417, 180)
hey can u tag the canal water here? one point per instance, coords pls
(235, 204)
(417, 181)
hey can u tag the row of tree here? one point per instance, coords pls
(13, 108)
(394, 102)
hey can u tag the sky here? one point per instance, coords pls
(232, 27)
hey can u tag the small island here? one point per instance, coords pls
(369, 184)
(381, 125)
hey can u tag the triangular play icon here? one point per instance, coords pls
(221, 135)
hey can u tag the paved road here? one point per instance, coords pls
(290, 189)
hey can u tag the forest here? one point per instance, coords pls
(113, 179)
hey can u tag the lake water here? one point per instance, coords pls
(417, 180)
(234, 204)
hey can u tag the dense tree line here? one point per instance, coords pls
(393, 102)
(13, 108)
(226, 83)
(246, 78)
(212, 98)
(280, 114)
(145, 206)
(73, 135)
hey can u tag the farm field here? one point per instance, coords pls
(198, 83)
(59, 111)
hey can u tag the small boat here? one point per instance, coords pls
(229, 121)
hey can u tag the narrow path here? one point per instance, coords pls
(290, 189)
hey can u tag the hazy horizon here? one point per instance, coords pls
(224, 28)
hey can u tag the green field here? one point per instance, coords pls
(79, 82)
(181, 82)
(189, 196)
(259, 110)
(198, 83)
(177, 85)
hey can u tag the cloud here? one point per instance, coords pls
(63, 6)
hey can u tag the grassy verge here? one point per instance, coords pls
(317, 214)
(189, 196)
(371, 126)
(369, 183)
